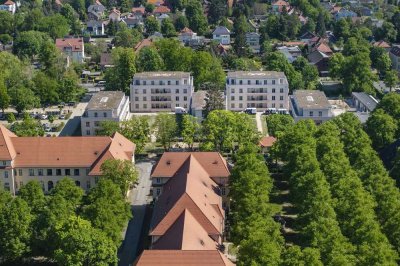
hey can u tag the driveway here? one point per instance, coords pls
(139, 198)
(72, 127)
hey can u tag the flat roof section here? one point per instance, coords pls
(105, 100)
(311, 99)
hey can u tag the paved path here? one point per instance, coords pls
(139, 199)
(258, 121)
(74, 122)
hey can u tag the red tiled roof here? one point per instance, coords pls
(267, 141)
(293, 43)
(324, 48)
(116, 11)
(191, 188)
(144, 43)
(382, 44)
(280, 3)
(9, 3)
(170, 162)
(88, 152)
(161, 10)
(186, 30)
(7, 151)
(156, 2)
(138, 10)
(75, 43)
(182, 258)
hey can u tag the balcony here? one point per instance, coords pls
(160, 91)
(260, 98)
(160, 99)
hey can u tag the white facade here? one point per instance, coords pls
(161, 91)
(310, 104)
(256, 89)
(104, 106)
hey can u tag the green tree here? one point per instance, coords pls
(29, 127)
(207, 69)
(78, 243)
(126, 37)
(5, 99)
(6, 22)
(105, 207)
(68, 88)
(45, 88)
(214, 98)
(23, 99)
(190, 130)
(341, 29)
(151, 24)
(391, 105)
(309, 72)
(55, 25)
(27, 44)
(387, 32)
(165, 129)
(32, 193)
(294, 256)
(119, 77)
(149, 59)
(120, 172)
(381, 128)
(181, 22)
(15, 222)
(108, 128)
(137, 129)
(217, 10)
(391, 79)
(278, 124)
(175, 57)
(80, 8)
(320, 27)
(380, 59)
(69, 191)
(196, 18)
(48, 55)
(168, 28)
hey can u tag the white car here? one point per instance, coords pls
(43, 116)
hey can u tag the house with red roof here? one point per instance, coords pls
(9, 6)
(161, 10)
(280, 5)
(72, 48)
(382, 44)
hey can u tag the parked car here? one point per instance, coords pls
(270, 111)
(250, 111)
(43, 116)
(47, 127)
(283, 111)
(180, 110)
(62, 117)
(100, 84)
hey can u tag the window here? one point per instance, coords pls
(158, 180)
(42, 184)
(144, 91)
(87, 124)
(95, 114)
(136, 98)
(281, 90)
(104, 114)
(240, 105)
(158, 191)
(145, 106)
(232, 98)
(96, 123)
(320, 113)
(311, 113)
(137, 106)
(15, 172)
(257, 82)
(232, 90)
(4, 163)
(68, 172)
(58, 172)
(223, 191)
(281, 81)
(144, 98)
(49, 171)
(76, 172)
(144, 82)
(273, 98)
(137, 82)
(40, 172)
(87, 132)
(177, 82)
(152, 82)
(169, 82)
(265, 82)
(21, 184)
(232, 105)
(88, 184)
(136, 91)
(240, 98)
(177, 98)
(185, 81)
(176, 90)
(241, 82)
(184, 90)
(240, 90)
(77, 183)
(7, 186)
(273, 82)
(177, 105)
(87, 171)
(96, 179)
(5, 174)
(273, 105)
(273, 90)
(31, 172)
(20, 172)
(281, 98)
(249, 82)
(50, 185)
(185, 98)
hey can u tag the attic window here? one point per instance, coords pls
(168, 162)
(310, 99)
(95, 153)
(202, 242)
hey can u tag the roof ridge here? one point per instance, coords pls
(2, 130)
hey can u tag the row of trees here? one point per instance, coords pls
(66, 226)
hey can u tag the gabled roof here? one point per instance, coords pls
(161, 10)
(182, 258)
(85, 152)
(190, 189)
(308, 35)
(316, 57)
(7, 151)
(280, 3)
(221, 30)
(76, 44)
(185, 234)
(186, 30)
(140, 10)
(324, 48)
(381, 44)
(9, 3)
(267, 141)
(144, 43)
(170, 162)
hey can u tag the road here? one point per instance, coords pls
(73, 124)
(258, 121)
(139, 198)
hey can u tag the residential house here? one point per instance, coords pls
(104, 106)
(303, 20)
(280, 5)
(48, 160)
(72, 48)
(291, 53)
(143, 43)
(186, 35)
(96, 11)
(366, 11)
(382, 44)
(321, 61)
(198, 103)
(115, 15)
(162, 17)
(133, 20)
(9, 6)
(222, 35)
(213, 166)
(106, 61)
(95, 27)
(322, 47)
(256, 89)
(253, 41)
(363, 102)
(156, 2)
(394, 55)
(161, 10)
(344, 13)
(307, 36)
(310, 104)
(161, 91)
(138, 10)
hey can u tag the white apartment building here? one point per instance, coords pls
(48, 160)
(161, 91)
(256, 89)
(104, 106)
(311, 104)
